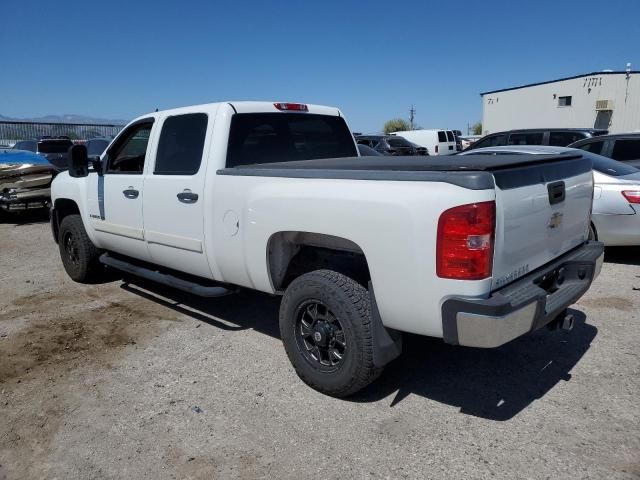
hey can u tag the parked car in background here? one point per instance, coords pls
(96, 146)
(25, 180)
(458, 136)
(468, 140)
(624, 147)
(387, 144)
(366, 151)
(558, 137)
(55, 149)
(419, 149)
(28, 145)
(438, 142)
(615, 219)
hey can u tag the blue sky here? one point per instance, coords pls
(372, 59)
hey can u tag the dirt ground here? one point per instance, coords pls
(123, 380)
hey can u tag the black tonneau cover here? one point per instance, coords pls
(470, 171)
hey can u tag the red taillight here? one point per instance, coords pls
(465, 241)
(436, 148)
(632, 196)
(294, 107)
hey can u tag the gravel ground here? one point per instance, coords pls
(133, 381)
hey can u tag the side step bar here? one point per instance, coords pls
(164, 278)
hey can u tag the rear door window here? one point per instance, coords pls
(442, 137)
(526, 138)
(257, 138)
(562, 139)
(624, 150)
(181, 144)
(593, 147)
(450, 136)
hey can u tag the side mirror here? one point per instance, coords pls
(78, 162)
(96, 163)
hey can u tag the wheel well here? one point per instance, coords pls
(291, 254)
(62, 207)
(595, 231)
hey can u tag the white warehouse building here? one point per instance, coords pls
(604, 100)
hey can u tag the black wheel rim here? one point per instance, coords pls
(320, 335)
(71, 249)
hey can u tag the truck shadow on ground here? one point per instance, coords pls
(623, 255)
(25, 218)
(495, 384)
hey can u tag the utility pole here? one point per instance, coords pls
(412, 116)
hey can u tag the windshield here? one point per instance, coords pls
(30, 145)
(284, 137)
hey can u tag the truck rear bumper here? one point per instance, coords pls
(525, 305)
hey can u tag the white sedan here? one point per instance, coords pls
(616, 196)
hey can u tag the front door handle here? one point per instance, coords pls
(131, 193)
(188, 196)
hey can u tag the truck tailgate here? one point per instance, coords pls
(542, 211)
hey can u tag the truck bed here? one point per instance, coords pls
(476, 172)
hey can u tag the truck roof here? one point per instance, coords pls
(243, 107)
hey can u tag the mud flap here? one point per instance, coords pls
(387, 343)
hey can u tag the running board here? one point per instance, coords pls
(164, 278)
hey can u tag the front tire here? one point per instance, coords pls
(325, 325)
(79, 255)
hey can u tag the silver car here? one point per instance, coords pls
(616, 197)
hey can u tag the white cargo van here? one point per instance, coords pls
(438, 141)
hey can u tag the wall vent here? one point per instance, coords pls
(604, 105)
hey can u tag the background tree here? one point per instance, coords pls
(476, 128)
(396, 125)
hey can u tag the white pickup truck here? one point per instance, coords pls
(476, 250)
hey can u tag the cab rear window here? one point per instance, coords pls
(257, 138)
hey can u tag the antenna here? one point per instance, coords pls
(412, 116)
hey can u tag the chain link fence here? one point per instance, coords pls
(10, 132)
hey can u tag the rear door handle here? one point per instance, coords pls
(187, 196)
(131, 193)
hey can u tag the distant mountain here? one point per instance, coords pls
(66, 118)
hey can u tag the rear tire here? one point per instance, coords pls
(592, 233)
(79, 255)
(325, 324)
